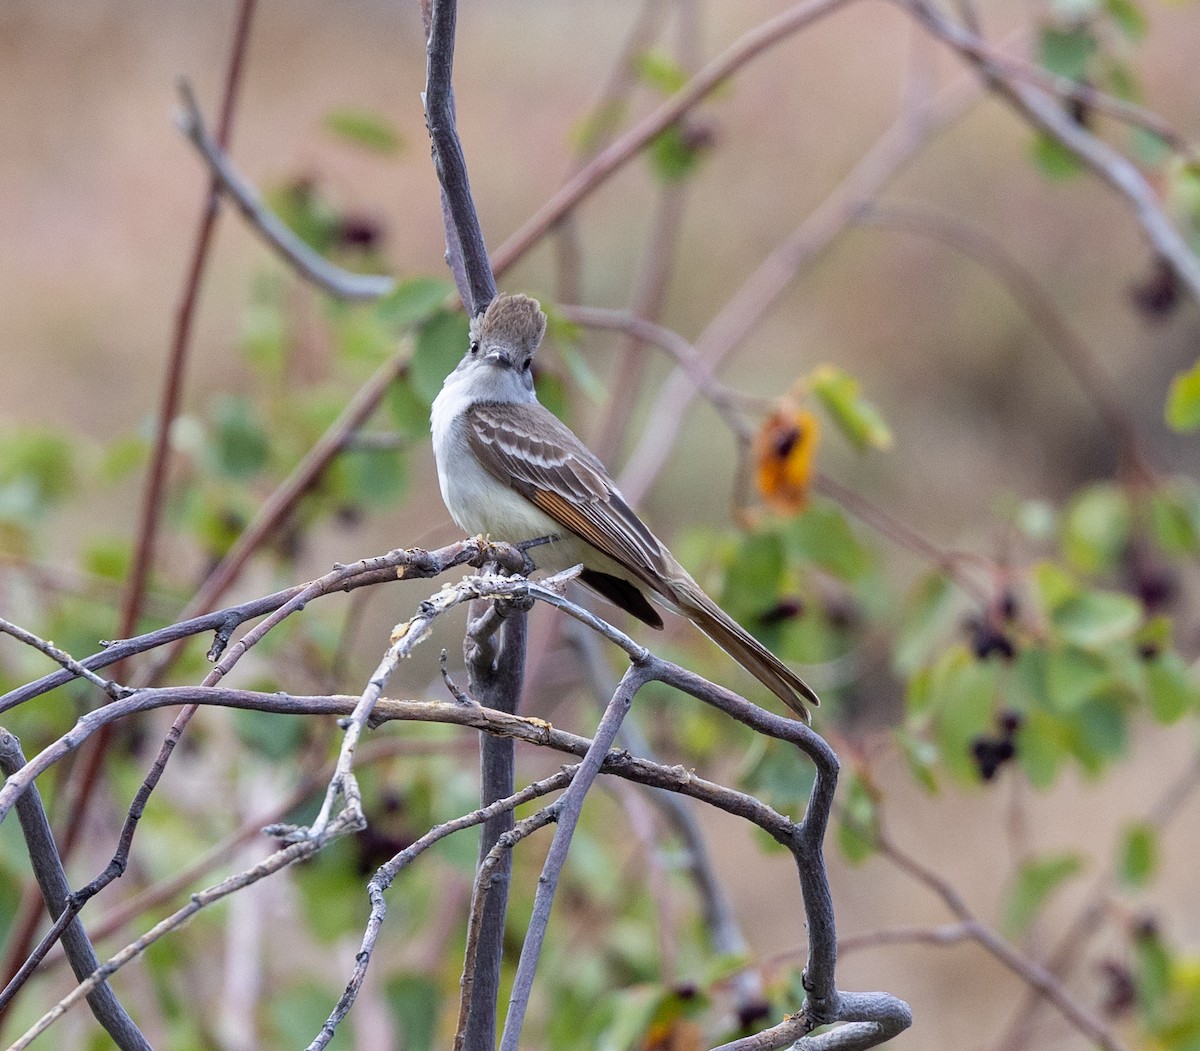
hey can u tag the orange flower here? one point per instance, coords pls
(783, 457)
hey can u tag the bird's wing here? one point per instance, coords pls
(534, 453)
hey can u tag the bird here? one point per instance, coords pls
(508, 468)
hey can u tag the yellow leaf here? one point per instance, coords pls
(783, 455)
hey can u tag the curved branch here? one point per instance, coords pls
(309, 264)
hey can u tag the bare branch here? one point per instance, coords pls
(114, 690)
(872, 1019)
(568, 809)
(746, 308)
(629, 145)
(1032, 973)
(279, 860)
(387, 874)
(306, 262)
(450, 164)
(52, 881)
(86, 775)
(1024, 288)
(1043, 111)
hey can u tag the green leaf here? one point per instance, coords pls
(441, 343)
(858, 420)
(1175, 518)
(123, 457)
(1070, 12)
(1041, 747)
(298, 1012)
(241, 446)
(963, 700)
(409, 412)
(1153, 973)
(1036, 519)
(1183, 401)
(362, 335)
(1127, 17)
(1093, 619)
(277, 737)
(1036, 881)
(1074, 677)
(928, 614)
(774, 777)
(552, 393)
(1149, 149)
(1100, 734)
(264, 335)
(921, 757)
(752, 579)
(658, 69)
(1121, 80)
(1053, 159)
(108, 557)
(675, 154)
(40, 464)
(415, 300)
(582, 373)
(1067, 52)
(378, 477)
(597, 126)
(364, 128)
(822, 535)
(307, 214)
(1173, 689)
(1054, 585)
(415, 1000)
(1096, 527)
(857, 822)
(1138, 858)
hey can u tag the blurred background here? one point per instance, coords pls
(100, 196)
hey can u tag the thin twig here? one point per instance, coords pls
(1043, 111)
(976, 243)
(387, 874)
(306, 262)
(114, 690)
(449, 162)
(1032, 973)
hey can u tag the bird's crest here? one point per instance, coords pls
(513, 321)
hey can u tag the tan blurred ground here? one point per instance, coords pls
(99, 198)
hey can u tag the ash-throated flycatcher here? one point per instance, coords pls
(510, 468)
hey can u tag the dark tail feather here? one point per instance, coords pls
(623, 595)
(749, 653)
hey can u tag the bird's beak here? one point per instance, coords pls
(500, 359)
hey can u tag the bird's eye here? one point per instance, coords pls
(526, 364)
(474, 346)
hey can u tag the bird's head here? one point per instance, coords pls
(504, 339)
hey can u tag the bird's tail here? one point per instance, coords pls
(744, 647)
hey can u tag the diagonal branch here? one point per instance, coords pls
(52, 880)
(1043, 111)
(309, 264)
